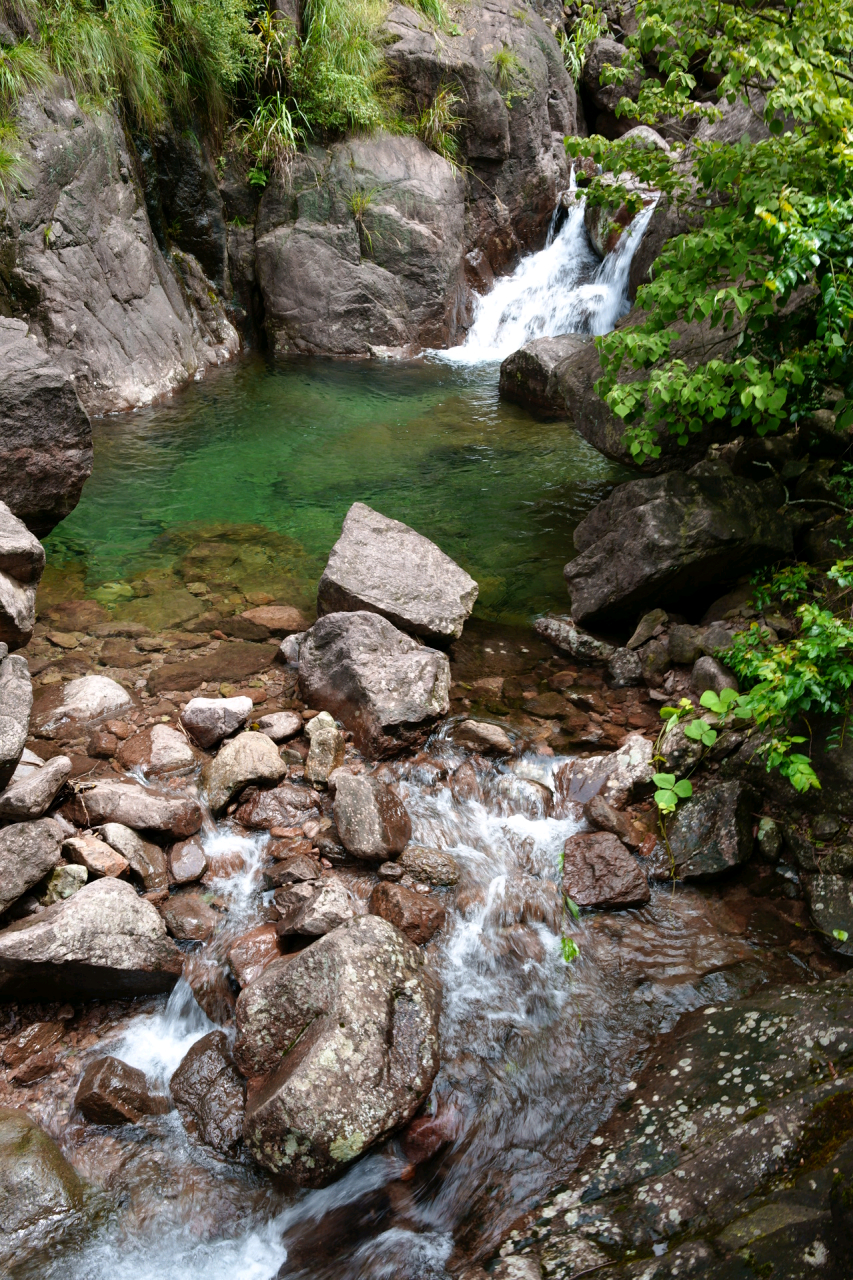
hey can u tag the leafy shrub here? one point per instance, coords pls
(590, 25)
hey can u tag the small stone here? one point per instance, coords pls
(685, 644)
(652, 623)
(413, 914)
(769, 840)
(189, 916)
(708, 673)
(433, 866)
(146, 860)
(111, 1092)
(280, 725)
(248, 758)
(326, 752)
(278, 619)
(625, 669)
(209, 720)
(187, 861)
(96, 856)
(35, 1038)
(655, 661)
(250, 954)
(485, 736)
(598, 871)
(289, 649)
(63, 883)
(328, 909)
(370, 818)
(157, 751)
(292, 870)
(391, 871)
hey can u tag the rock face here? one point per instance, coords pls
(47, 436)
(33, 795)
(86, 273)
(382, 566)
(371, 819)
(28, 852)
(709, 834)
(41, 1195)
(250, 757)
(598, 871)
(209, 720)
(513, 122)
(210, 1093)
(111, 1092)
(606, 97)
(16, 700)
(21, 565)
(363, 251)
(134, 806)
(104, 941)
(662, 540)
(308, 1115)
(830, 899)
(384, 686)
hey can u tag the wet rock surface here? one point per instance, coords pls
(41, 1196)
(209, 1092)
(414, 914)
(371, 819)
(248, 758)
(598, 871)
(209, 720)
(111, 1092)
(709, 834)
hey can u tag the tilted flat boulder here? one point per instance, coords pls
(21, 566)
(140, 808)
(41, 1195)
(47, 437)
(380, 683)
(366, 1056)
(382, 566)
(33, 795)
(16, 700)
(250, 757)
(665, 539)
(105, 941)
(28, 852)
(209, 1092)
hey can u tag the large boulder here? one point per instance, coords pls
(140, 808)
(371, 819)
(530, 375)
(105, 941)
(21, 565)
(335, 1063)
(28, 852)
(87, 699)
(84, 270)
(363, 251)
(666, 539)
(514, 113)
(382, 566)
(250, 757)
(709, 834)
(380, 683)
(47, 436)
(41, 1195)
(32, 795)
(16, 700)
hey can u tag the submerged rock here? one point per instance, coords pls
(135, 806)
(250, 757)
(383, 566)
(105, 941)
(111, 1092)
(209, 720)
(598, 871)
(41, 1195)
(380, 683)
(250, 954)
(28, 852)
(335, 1063)
(189, 916)
(432, 866)
(371, 819)
(21, 565)
(209, 1092)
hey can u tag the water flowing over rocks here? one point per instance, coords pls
(47, 454)
(382, 566)
(21, 565)
(103, 941)
(305, 1116)
(41, 1195)
(382, 685)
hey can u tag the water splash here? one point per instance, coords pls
(566, 288)
(156, 1043)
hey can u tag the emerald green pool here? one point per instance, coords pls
(271, 455)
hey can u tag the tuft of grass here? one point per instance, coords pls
(590, 25)
(506, 67)
(359, 202)
(271, 137)
(438, 124)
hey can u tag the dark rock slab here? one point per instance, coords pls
(111, 1092)
(415, 914)
(210, 1093)
(598, 871)
(709, 834)
(230, 662)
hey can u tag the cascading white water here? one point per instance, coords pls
(565, 288)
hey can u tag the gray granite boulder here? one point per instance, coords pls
(135, 806)
(32, 796)
(28, 852)
(16, 700)
(371, 819)
(250, 757)
(21, 565)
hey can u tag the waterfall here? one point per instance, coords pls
(565, 288)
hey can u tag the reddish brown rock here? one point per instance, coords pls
(279, 619)
(99, 858)
(251, 953)
(111, 1092)
(414, 914)
(35, 1068)
(371, 819)
(604, 817)
(292, 870)
(284, 806)
(34, 1039)
(209, 1092)
(426, 1135)
(158, 751)
(231, 662)
(598, 871)
(189, 916)
(102, 745)
(187, 861)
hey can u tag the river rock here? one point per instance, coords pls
(157, 751)
(281, 725)
(306, 1116)
(135, 806)
(32, 796)
(41, 1195)
(209, 720)
(564, 634)
(37, 1038)
(528, 376)
(382, 566)
(604, 817)
(380, 683)
(232, 662)
(708, 673)
(292, 869)
(28, 852)
(329, 906)
(414, 914)
(209, 1092)
(617, 777)
(103, 942)
(665, 539)
(430, 866)
(284, 806)
(250, 954)
(99, 858)
(111, 1092)
(830, 899)
(485, 736)
(371, 819)
(598, 871)
(146, 860)
(91, 698)
(63, 883)
(21, 565)
(189, 916)
(625, 669)
(16, 700)
(47, 454)
(250, 757)
(326, 752)
(187, 861)
(709, 834)
(278, 619)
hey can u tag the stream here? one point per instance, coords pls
(536, 1051)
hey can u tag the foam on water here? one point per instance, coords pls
(157, 1042)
